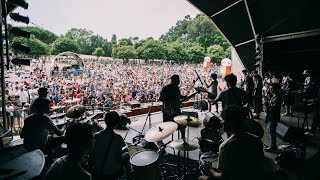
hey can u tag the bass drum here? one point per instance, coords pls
(145, 165)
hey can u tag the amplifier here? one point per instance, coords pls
(202, 105)
(289, 133)
(6, 137)
(190, 113)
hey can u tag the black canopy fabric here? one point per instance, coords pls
(240, 21)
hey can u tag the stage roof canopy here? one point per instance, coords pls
(240, 21)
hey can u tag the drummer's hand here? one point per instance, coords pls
(214, 172)
(203, 177)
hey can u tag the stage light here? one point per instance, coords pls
(20, 47)
(17, 17)
(20, 3)
(19, 32)
(21, 61)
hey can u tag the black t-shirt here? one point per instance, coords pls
(170, 96)
(35, 131)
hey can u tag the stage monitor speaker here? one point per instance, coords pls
(289, 133)
(190, 113)
(202, 105)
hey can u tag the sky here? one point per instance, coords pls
(125, 18)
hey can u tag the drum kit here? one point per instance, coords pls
(146, 161)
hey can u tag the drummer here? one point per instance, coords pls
(171, 96)
(37, 126)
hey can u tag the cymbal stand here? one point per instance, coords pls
(141, 133)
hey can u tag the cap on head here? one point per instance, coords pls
(306, 72)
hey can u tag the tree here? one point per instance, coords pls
(37, 48)
(65, 44)
(175, 51)
(114, 39)
(98, 52)
(124, 52)
(216, 53)
(195, 52)
(151, 49)
(86, 40)
(41, 34)
(125, 42)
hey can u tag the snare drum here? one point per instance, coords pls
(145, 165)
(209, 157)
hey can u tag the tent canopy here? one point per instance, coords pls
(75, 56)
(240, 21)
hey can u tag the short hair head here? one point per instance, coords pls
(79, 138)
(231, 79)
(111, 119)
(42, 92)
(42, 105)
(175, 79)
(214, 76)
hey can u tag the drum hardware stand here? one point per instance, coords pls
(141, 133)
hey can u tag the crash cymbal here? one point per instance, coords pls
(187, 120)
(160, 131)
(75, 111)
(183, 146)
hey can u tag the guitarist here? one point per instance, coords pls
(171, 98)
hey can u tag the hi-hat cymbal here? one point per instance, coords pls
(75, 111)
(160, 131)
(183, 146)
(187, 120)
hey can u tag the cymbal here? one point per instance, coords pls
(161, 131)
(75, 111)
(187, 120)
(183, 146)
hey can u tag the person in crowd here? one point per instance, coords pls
(79, 140)
(23, 95)
(171, 98)
(37, 127)
(232, 95)
(107, 158)
(288, 97)
(273, 106)
(248, 86)
(308, 84)
(213, 90)
(42, 93)
(257, 94)
(241, 152)
(315, 101)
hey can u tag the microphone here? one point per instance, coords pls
(199, 77)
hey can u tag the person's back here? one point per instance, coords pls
(232, 96)
(62, 169)
(35, 131)
(114, 157)
(241, 157)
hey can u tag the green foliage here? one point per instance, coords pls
(37, 48)
(216, 53)
(98, 52)
(198, 30)
(114, 39)
(65, 44)
(125, 42)
(196, 53)
(151, 49)
(41, 34)
(124, 52)
(86, 40)
(176, 51)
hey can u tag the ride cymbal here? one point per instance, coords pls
(160, 131)
(75, 111)
(187, 120)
